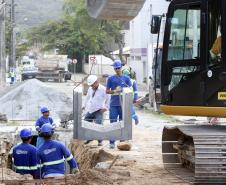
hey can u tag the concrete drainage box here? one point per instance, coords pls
(84, 130)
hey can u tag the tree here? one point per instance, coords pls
(77, 34)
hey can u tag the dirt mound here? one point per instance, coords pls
(87, 156)
(25, 101)
(7, 174)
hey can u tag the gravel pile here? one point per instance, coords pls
(24, 101)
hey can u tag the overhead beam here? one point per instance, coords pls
(114, 9)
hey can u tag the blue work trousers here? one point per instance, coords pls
(96, 117)
(134, 115)
(115, 114)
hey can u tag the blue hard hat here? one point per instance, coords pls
(44, 109)
(46, 128)
(25, 133)
(117, 64)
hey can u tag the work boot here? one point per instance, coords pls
(136, 120)
(87, 142)
(112, 146)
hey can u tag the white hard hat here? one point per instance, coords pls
(91, 79)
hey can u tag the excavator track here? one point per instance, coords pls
(196, 153)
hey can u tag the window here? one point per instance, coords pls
(215, 41)
(185, 35)
(184, 45)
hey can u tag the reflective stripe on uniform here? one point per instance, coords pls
(50, 163)
(69, 158)
(26, 167)
(53, 162)
(39, 165)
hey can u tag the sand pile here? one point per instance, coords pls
(24, 101)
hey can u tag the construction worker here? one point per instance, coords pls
(45, 118)
(96, 102)
(25, 154)
(115, 84)
(216, 48)
(12, 76)
(52, 154)
(135, 94)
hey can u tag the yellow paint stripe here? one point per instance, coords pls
(194, 111)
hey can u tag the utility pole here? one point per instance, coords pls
(2, 44)
(12, 56)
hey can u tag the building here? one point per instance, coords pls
(142, 42)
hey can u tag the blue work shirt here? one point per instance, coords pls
(25, 158)
(51, 157)
(117, 81)
(41, 121)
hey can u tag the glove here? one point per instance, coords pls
(54, 126)
(74, 171)
(37, 129)
(117, 90)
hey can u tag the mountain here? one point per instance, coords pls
(31, 13)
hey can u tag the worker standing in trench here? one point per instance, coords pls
(25, 154)
(115, 85)
(44, 119)
(52, 154)
(96, 102)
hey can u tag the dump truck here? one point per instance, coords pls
(53, 67)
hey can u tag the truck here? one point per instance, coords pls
(29, 70)
(53, 67)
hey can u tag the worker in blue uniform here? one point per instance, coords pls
(52, 154)
(45, 118)
(25, 154)
(115, 85)
(135, 94)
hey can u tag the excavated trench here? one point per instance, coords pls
(94, 164)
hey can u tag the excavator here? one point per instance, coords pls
(193, 83)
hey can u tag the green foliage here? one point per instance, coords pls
(77, 34)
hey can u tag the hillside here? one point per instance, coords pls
(31, 13)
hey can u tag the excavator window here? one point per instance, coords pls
(214, 32)
(184, 44)
(184, 35)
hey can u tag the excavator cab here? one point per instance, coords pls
(192, 80)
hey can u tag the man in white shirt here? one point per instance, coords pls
(96, 102)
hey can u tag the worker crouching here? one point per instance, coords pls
(52, 154)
